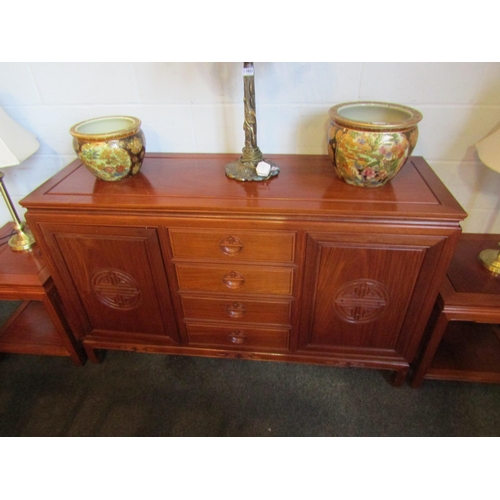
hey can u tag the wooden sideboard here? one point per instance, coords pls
(181, 259)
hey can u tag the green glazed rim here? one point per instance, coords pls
(374, 115)
(105, 128)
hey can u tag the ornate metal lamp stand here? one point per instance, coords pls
(245, 169)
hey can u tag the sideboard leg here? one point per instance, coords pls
(400, 376)
(94, 355)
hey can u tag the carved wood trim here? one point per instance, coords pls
(233, 280)
(231, 245)
(116, 289)
(361, 301)
(235, 310)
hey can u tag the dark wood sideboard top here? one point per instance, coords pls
(195, 183)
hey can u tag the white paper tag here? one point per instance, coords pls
(263, 169)
(248, 71)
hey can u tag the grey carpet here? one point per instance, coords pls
(132, 394)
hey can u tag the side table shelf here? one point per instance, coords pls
(468, 351)
(30, 331)
(38, 325)
(463, 341)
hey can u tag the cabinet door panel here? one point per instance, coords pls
(357, 293)
(118, 276)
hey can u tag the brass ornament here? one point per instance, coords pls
(490, 259)
(22, 239)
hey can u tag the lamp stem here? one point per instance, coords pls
(23, 239)
(245, 169)
(251, 152)
(9, 203)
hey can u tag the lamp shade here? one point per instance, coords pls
(16, 143)
(489, 150)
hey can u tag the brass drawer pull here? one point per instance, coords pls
(231, 245)
(233, 280)
(237, 337)
(235, 310)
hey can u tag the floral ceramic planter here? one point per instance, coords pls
(111, 147)
(369, 142)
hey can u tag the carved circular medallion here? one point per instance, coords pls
(361, 301)
(116, 289)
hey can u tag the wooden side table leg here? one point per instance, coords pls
(400, 377)
(75, 350)
(430, 350)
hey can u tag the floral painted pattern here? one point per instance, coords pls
(369, 159)
(106, 162)
(135, 145)
(113, 160)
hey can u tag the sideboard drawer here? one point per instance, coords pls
(240, 245)
(238, 279)
(238, 337)
(240, 309)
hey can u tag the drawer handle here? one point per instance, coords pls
(237, 337)
(231, 245)
(235, 310)
(233, 280)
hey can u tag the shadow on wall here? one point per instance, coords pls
(224, 79)
(226, 82)
(312, 134)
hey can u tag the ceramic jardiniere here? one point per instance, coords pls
(369, 142)
(111, 147)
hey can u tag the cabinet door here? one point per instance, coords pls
(359, 290)
(115, 277)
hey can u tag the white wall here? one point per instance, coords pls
(197, 107)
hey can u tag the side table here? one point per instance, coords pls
(463, 332)
(38, 326)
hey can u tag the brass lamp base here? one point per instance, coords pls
(247, 171)
(22, 240)
(490, 259)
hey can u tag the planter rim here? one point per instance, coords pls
(413, 117)
(132, 128)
